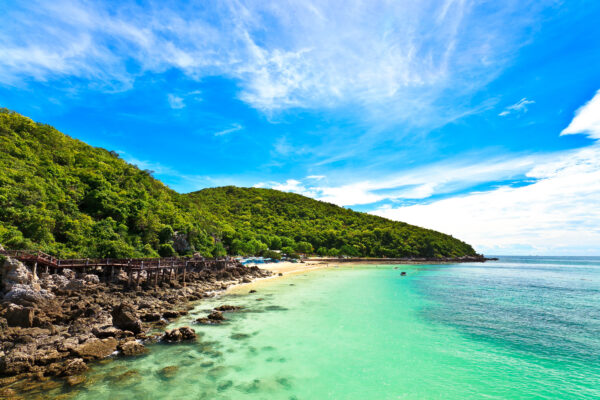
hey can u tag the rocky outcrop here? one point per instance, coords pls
(15, 272)
(53, 326)
(27, 295)
(183, 334)
(125, 317)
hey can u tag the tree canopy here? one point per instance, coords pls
(62, 196)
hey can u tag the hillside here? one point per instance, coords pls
(65, 197)
(270, 215)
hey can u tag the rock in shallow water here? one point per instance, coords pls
(169, 372)
(96, 348)
(132, 348)
(185, 333)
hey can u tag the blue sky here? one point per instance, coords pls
(477, 118)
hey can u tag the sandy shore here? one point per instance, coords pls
(286, 269)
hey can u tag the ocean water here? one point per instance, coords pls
(518, 328)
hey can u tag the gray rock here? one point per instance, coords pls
(68, 273)
(15, 272)
(26, 295)
(91, 278)
(75, 284)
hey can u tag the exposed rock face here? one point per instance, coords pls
(27, 295)
(185, 333)
(15, 272)
(17, 315)
(125, 317)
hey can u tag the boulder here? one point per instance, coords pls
(27, 295)
(15, 272)
(215, 317)
(68, 273)
(96, 348)
(91, 278)
(151, 317)
(75, 284)
(132, 348)
(124, 317)
(185, 333)
(17, 315)
(74, 366)
(170, 314)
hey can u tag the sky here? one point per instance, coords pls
(480, 119)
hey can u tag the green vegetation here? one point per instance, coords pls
(62, 196)
(266, 218)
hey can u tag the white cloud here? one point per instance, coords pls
(519, 107)
(587, 119)
(316, 177)
(420, 183)
(405, 55)
(234, 128)
(294, 186)
(558, 214)
(175, 102)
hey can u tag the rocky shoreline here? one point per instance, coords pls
(53, 326)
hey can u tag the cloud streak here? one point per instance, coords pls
(406, 55)
(519, 107)
(557, 214)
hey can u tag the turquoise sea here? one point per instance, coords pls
(517, 328)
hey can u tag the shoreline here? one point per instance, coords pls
(114, 321)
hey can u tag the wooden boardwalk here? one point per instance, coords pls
(154, 269)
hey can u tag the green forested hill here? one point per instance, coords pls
(65, 197)
(270, 215)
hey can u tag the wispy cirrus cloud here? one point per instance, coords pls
(519, 107)
(406, 55)
(233, 128)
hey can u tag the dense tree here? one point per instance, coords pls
(65, 197)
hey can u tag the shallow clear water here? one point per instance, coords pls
(516, 328)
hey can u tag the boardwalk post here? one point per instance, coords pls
(156, 274)
(184, 269)
(130, 276)
(172, 270)
(139, 272)
(35, 269)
